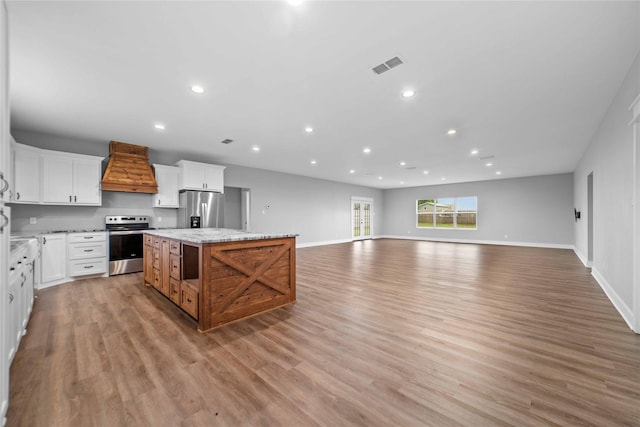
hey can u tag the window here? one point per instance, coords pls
(447, 212)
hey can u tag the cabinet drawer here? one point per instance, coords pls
(156, 258)
(87, 250)
(156, 279)
(174, 290)
(87, 237)
(189, 300)
(174, 266)
(87, 266)
(148, 240)
(174, 247)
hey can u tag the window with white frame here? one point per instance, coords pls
(448, 212)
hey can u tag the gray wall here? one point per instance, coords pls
(534, 210)
(232, 204)
(610, 158)
(318, 210)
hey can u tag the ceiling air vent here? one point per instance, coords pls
(227, 141)
(387, 65)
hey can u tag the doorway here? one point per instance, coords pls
(361, 218)
(590, 220)
(245, 209)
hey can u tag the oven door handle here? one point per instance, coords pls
(125, 232)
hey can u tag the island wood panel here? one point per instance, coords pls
(242, 279)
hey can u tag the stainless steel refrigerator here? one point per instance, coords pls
(201, 209)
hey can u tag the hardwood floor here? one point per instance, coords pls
(385, 333)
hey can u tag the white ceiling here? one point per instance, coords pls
(526, 82)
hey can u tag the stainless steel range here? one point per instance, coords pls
(125, 242)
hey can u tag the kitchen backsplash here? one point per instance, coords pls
(51, 218)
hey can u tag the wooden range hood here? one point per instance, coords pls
(128, 169)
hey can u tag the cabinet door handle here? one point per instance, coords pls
(5, 184)
(158, 201)
(10, 298)
(75, 198)
(70, 199)
(189, 300)
(17, 195)
(44, 240)
(5, 221)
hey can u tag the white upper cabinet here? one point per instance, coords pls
(26, 174)
(86, 181)
(167, 179)
(200, 176)
(71, 179)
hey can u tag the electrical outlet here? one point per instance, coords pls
(33, 220)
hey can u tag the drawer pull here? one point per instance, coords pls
(88, 266)
(88, 250)
(88, 237)
(189, 300)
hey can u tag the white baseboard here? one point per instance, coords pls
(623, 309)
(39, 286)
(481, 242)
(581, 257)
(322, 243)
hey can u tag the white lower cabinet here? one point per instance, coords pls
(65, 256)
(87, 253)
(53, 259)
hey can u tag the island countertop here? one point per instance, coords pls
(214, 235)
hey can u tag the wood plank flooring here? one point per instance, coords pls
(385, 333)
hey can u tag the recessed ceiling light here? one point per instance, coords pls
(197, 89)
(451, 132)
(425, 172)
(403, 163)
(488, 164)
(352, 171)
(498, 173)
(313, 162)
(408, 93)
(159, 126)
(379, 177)
(474, 152)
(308, 129)
(366, 150)
(255, 148)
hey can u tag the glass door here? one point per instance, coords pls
(361, 218)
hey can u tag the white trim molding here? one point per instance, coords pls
(322, 243)
(635, 122)
(618, 303)
(581, 257)
(482, 242)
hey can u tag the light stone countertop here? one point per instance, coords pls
(214, 235)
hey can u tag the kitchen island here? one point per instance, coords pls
(219, 276)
